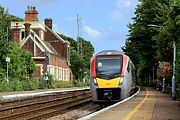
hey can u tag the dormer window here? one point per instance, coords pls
(22, 35)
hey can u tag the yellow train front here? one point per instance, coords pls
(112, 76)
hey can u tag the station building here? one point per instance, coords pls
(50, 52)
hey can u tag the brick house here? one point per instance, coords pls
(50, 52)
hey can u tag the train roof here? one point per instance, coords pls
(105, 52)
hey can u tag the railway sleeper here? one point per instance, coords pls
(32, 107)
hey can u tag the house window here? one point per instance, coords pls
(67, 75)
(39, 70)
(22, 35)
(60, 73)
(52, 70)
(56, 74)
(63, 76)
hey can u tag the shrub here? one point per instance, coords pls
(84, 83)
(62, 84)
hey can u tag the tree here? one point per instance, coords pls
(175, 18)
(22, 65)
(87, 51)
(5, 20)
(147, 44)
(77, 65)
(169, 34)
(80, 62)
(140, 45)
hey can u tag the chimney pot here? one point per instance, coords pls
(31, 14)
(27, 29)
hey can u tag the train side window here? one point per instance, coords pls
(133, 72)
(128, 67)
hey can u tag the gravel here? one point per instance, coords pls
(77, 113)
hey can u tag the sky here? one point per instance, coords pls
(103, 22)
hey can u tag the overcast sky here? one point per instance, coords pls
(104, 22)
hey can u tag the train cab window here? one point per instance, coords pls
(108, 67)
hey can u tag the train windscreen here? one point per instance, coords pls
(108, 67)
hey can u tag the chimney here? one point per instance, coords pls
(27, 29)
(31, 14)
(48, 22)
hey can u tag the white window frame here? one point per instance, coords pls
(22, 30)
(67, 74)
(56, 73)
(60, 73)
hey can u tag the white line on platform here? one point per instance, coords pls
(107, 108)
(15, 96)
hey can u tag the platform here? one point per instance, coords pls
(40, 92)
(149, 104)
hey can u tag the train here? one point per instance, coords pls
(112, 76)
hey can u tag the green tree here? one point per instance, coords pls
(77, 65)
(5, 20)
(175, 20)
(87, 51)
(169, 33)
(152, 34)
(22, 65)
(140, 45)
(80, 62)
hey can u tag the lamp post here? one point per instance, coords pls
(174, 64)
(174, 72)
(7, 58)
(7, 61)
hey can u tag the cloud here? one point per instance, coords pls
(71, 18)
(59, 30)
(36, 2)
(121, 8)
(112, 34)
(124, 3)
(117, 14)
(93, 33)
(56, 27)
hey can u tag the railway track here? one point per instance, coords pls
(42, 106)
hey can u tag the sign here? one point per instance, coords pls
(45, 76)
(7, 59)
(47, 60)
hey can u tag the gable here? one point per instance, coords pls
(38, 42)
(29, 44)
(51, 35)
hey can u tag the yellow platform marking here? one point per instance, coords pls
(133, 111)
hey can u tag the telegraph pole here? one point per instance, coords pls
(79, 35)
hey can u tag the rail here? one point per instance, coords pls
(42, 106)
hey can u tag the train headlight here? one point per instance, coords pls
(95, 81)
(121, 80)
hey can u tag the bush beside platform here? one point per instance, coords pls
(34, 84)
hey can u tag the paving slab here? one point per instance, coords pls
(149, 104)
